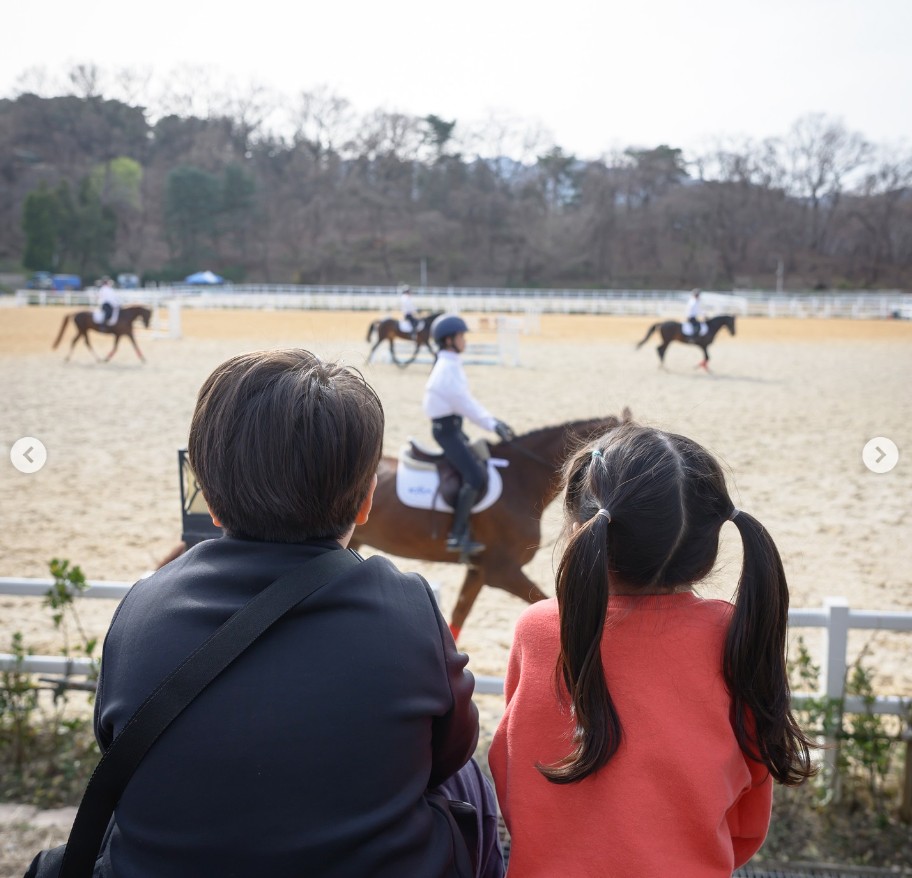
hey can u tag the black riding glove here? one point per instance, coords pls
(502, 430)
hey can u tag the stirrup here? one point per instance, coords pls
(466, 545)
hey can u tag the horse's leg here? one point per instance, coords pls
(661, 349)
(513, 580)
(73, 344)
(393, 351)
(116, 342)
(413, 356)
(705, 363)
(471, 586)
(84, 334)
(136, 347)
(377, 344)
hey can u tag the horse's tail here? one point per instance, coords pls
(652, 329)
(62, 330)
(371, 328)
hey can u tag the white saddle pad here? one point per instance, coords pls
(688, 329)
(417, 484)
(98, 316)
(405, 326)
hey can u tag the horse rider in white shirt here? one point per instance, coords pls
(409, 314)
(447, 400)
(108, 303)
(695, 315)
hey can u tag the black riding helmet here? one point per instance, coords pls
(446, 325)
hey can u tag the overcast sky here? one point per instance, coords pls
(596, 75)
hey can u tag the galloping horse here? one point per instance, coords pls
(387, 329)
(671, 331)
(511, 528)
(124, 326)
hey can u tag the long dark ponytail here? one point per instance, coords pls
(582, 592)
(754, 661)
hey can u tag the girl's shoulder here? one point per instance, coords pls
(541, 614)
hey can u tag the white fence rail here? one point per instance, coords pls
(659, 303)
(835, 617)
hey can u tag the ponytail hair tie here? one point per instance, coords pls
(596, 453)
(605, 514)
(734, 513)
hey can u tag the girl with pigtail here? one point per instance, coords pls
(644, 725)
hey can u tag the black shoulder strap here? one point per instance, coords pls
(165, 704)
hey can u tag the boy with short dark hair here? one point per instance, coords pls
(312, 753)
(305, 442)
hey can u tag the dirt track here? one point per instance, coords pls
(788, 407)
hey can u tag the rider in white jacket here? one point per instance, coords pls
(695, 316)
(447, 400)
(409, 315)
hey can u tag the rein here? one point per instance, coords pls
(531, 454)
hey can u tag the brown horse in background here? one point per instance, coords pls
(388, 330)
(671, 331)
(510, 529)
(84, 321)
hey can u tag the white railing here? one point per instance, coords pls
(835, 617)
(659, 303)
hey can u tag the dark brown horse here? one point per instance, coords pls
(388, 330)
(671, 331)
(511, 528)
(84, 321)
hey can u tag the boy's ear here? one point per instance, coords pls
(214, 517)
(365, 508)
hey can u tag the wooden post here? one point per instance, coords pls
(905, 807)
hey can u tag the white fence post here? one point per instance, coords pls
(836, 650)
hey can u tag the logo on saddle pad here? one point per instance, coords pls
(419, 483)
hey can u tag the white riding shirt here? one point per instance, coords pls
(447, 393)
(694, 308)
(108, 295)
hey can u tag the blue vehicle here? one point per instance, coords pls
(64, 282)
(44, 280)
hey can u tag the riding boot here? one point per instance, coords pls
(460, 538)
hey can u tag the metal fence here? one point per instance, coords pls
(835, 617)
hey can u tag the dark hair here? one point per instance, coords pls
(285, 446)
(667, 501)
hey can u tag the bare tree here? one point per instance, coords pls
(323, 120)
(821, 153)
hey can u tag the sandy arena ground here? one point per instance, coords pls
(788, 407)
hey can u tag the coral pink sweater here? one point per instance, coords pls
(679, 798)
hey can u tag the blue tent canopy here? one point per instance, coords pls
(204, 277)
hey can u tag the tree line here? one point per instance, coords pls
(95, 184)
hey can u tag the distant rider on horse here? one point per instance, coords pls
(108, 303)
(409, 315)
(447, 400)
(695, 315)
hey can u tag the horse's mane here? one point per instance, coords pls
(575, 426)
